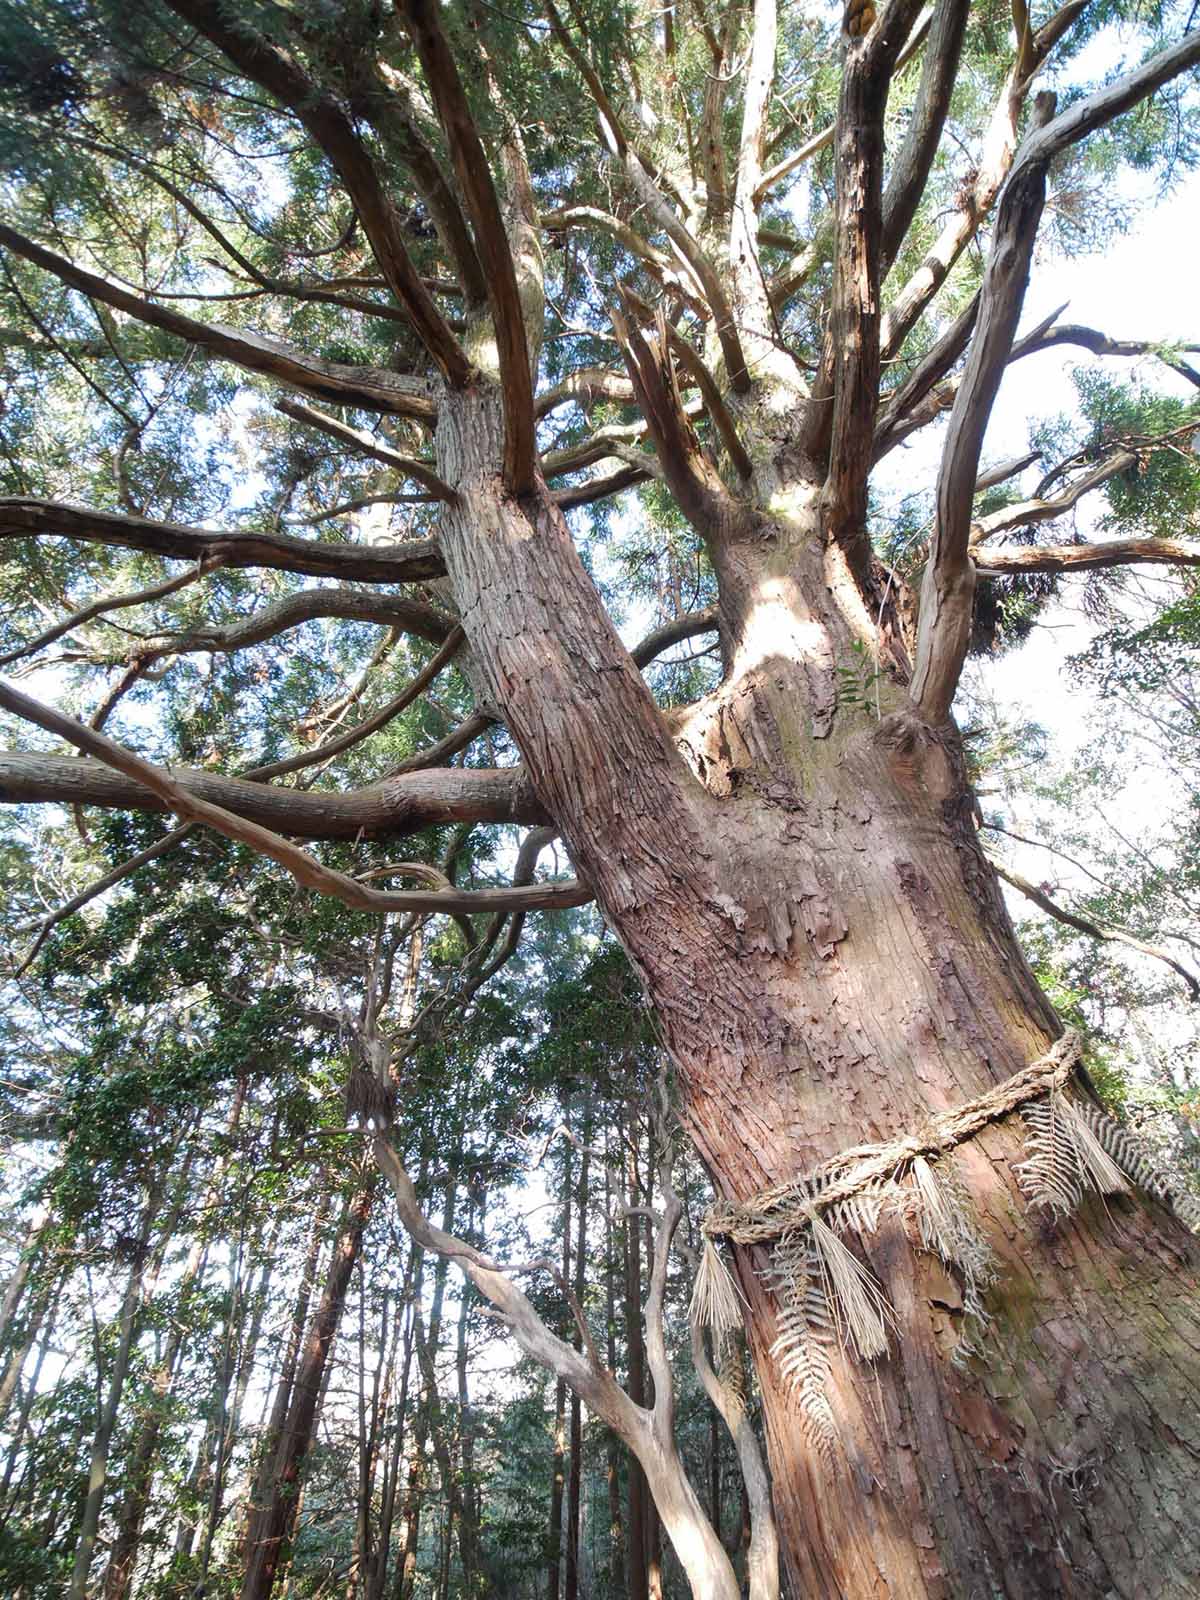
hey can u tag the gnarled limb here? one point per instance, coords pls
(23, 517)
(948, 587)
(372, 388)
(1026, 513)
(1088, 557)
(398, 804)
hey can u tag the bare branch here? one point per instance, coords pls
(396, 805)
(182, 799)
(683, 627)
(1026, 513)
(372, 388)
(1103, 932)
(99, 608)
(714, 401)
(694, 481)
(292, 611)
(1004, 470)
(372, 724)
(421, 472)
(418, 559)
(584, 388)
(946, 595)
(1088, 557)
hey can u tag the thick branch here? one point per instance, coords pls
(671, 633)
(694, 481)
(849, 372)
(181, 798)
(911, 170)
(396, 805)
(372, 388)
(413, 562)
(1088, 557)
(947, 590)
(491, 241)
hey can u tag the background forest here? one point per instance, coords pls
(216, 1337)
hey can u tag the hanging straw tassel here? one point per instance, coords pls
(1095, 1162)
(859, 1308)
(1064, 1156)
(715, 1296)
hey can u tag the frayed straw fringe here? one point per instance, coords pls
(1065, 1157)
(825, 1294)
(715, 1296)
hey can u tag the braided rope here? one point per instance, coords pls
(773, 1212)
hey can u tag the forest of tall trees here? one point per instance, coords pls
(518, 1073)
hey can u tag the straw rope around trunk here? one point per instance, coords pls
(824, 1293)
(773, 1212)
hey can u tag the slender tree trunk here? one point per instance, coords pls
(287, 1368)
(558, 1463)
(638, 1552)
(574, 1500)
(139, 1475)
(269, 1527)
(391, 1486)
(406, 1577)
(85, 1547)
(15, 1287)
(616, 1542)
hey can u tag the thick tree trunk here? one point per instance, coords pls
(830, 961)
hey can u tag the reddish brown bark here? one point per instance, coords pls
(830, 961)
(267, 1532)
